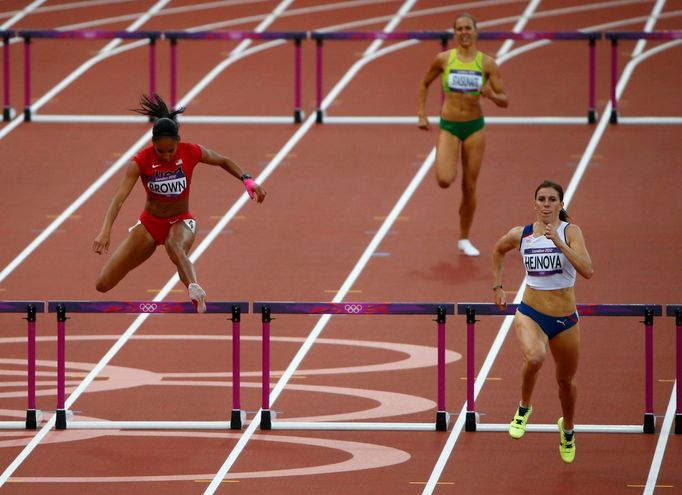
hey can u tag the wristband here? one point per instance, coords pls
(245, 176)
(249, 184)
(498, 286)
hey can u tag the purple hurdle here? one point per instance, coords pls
(648, 311)
(156, 307)
(440, 310)
(30, 308)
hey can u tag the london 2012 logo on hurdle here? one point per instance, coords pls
(353, 308)
(148, 307)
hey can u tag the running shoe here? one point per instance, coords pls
(566, 446)
(198, 297)
(468, 249)
(518, 425)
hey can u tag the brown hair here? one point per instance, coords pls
(563, 216)
(467, 16)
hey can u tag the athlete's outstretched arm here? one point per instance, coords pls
(101, 242)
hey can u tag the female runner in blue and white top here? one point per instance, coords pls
(553, 251)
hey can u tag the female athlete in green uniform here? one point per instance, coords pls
(467, 74)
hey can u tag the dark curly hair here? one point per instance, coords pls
(165, 121)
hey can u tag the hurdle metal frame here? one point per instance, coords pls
(648, 311)
(62, 308)
(676, 311)
(295, 36)
(615, 36)
(29, 35)
(444, 37)
(30, 308)
(267, 309)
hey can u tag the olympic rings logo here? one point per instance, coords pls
(148, 307)
(353, 308)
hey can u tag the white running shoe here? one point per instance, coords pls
(198, 297)
(467, 248)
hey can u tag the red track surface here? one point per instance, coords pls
(326, 200)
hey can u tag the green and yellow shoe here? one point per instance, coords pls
(518, 425)
(566, 445)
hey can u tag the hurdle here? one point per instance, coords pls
(62, 308)
(676, 311)
(33, 416)
(29, 35)
(6, 109)
(295, 36)
(615, 36)
(443, 37)
(648, 311)
(267, 309)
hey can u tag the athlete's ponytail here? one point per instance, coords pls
(165, 121)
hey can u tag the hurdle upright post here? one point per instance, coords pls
(649, 419)
(61, 367)
(591, 111)
(7, 109)
(678, 379)
(318, 86)
(441, 414)
(470, 422)
(266, 415)
(613, 119)
(27, 78)
(173, 69)
(298, 113)
(152, 64)
(236, 418)
(31, 413)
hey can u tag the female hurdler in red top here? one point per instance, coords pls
(165, 169)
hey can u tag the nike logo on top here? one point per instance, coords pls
(156, 165)
(178, 162)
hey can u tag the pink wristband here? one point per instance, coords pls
(249, 184)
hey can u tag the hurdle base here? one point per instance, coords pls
(237, 419)
(266, 418)
(553, 428)
(613, 118)
(298, 116)
(442, 420)
(27, 114)
(8, 113)
(62, 416)
(591, 117)
(649, 423)
(678, 424)
(33, 417)
(319, 116)
(471, 421)
(350, 426)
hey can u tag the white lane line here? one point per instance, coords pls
(504, 329)
(502, 333)
(362, 262)
(663, 437)
(33, 443)
(21, 14)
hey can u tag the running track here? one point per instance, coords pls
(332, 188)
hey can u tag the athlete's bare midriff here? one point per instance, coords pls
(461, 107)
(165, 209)
(558, 302)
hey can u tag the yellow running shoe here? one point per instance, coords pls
(566, 447)
(518, 425)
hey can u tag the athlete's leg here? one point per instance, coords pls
(447, 157)
(133, 251)
(565, 349)
(533, 342)
(473, 149)
(178, 243)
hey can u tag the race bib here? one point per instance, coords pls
(465, 81)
